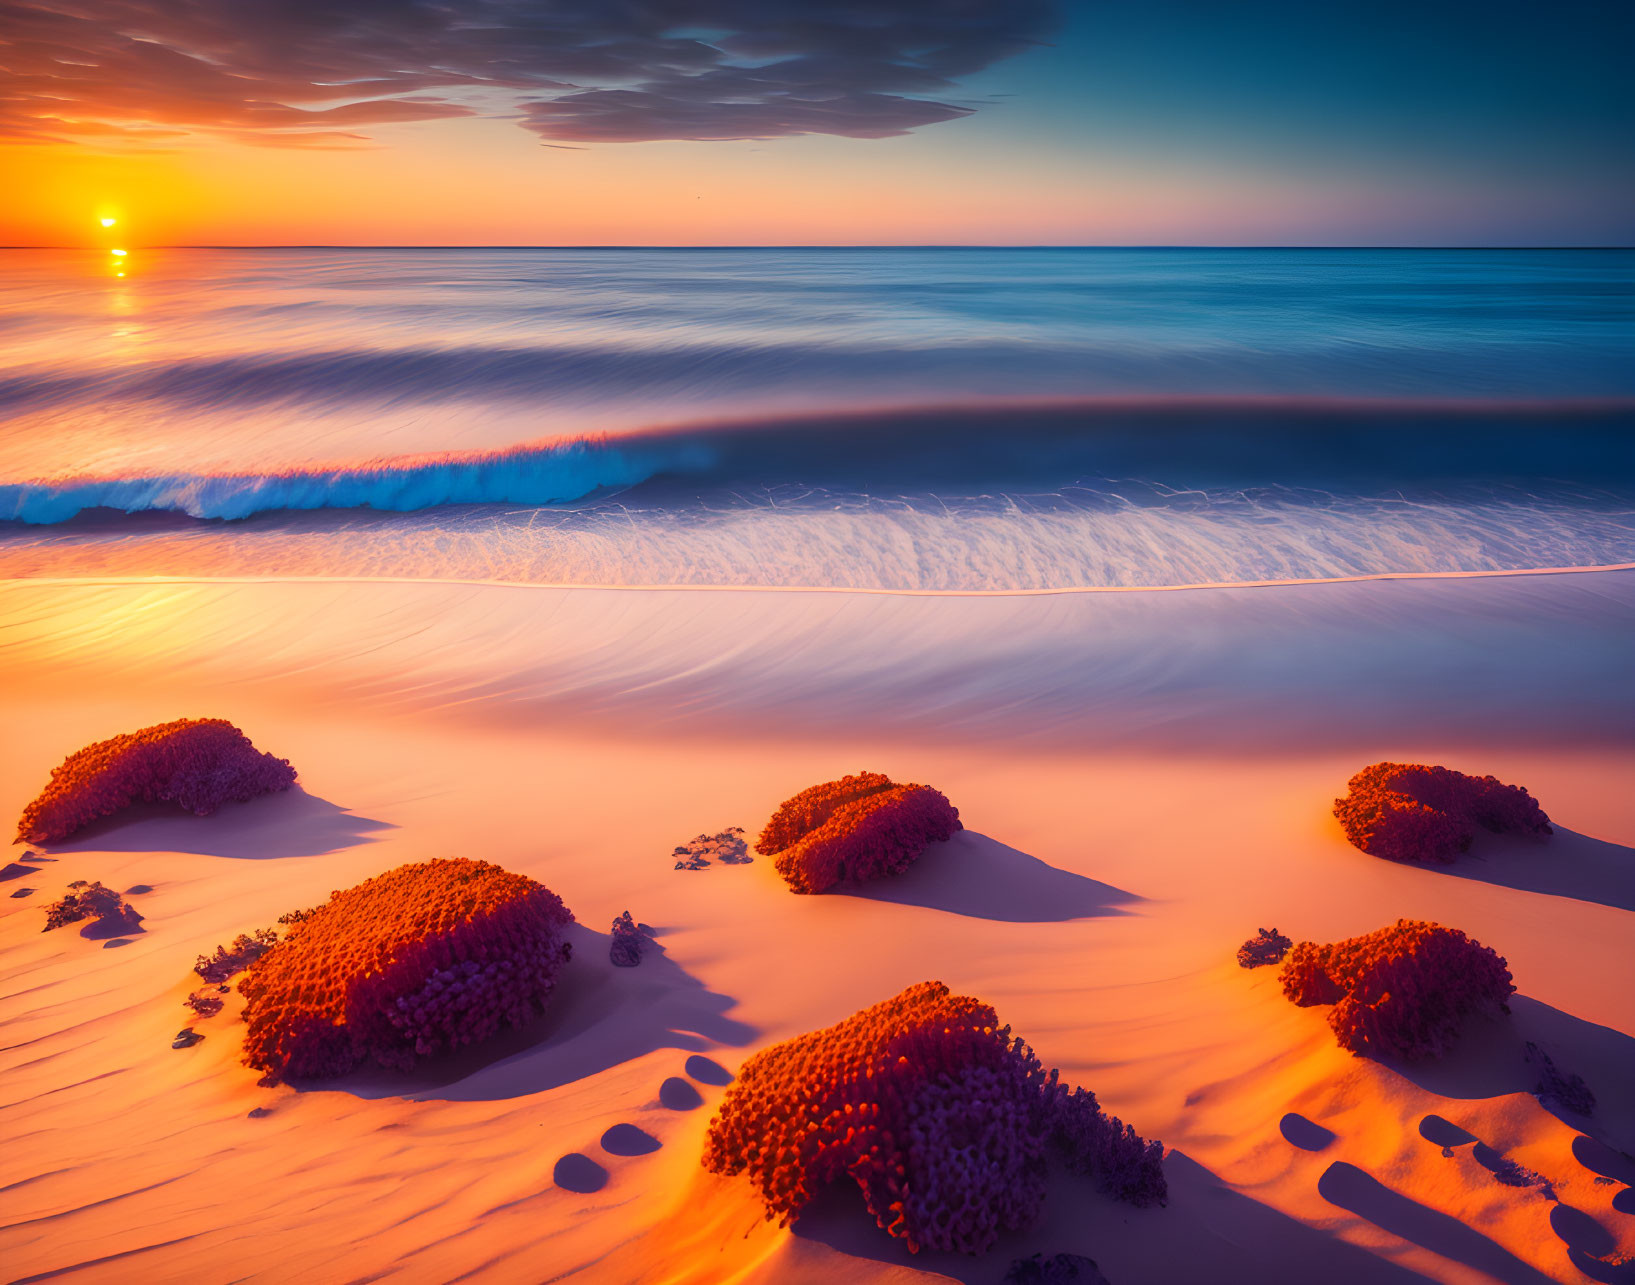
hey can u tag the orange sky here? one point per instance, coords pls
(1169, 122)
(485, 182)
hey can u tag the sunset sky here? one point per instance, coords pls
(570, 122)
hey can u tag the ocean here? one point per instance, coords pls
(927, 419)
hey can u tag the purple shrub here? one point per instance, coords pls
(1268, 947)
(204, 1003)
(1102, 1147)
(92, 901)
(940, 1117)
(245, 950)
(1058, 1269)
(629, 937)
(1411, 812)
(1403, 991)
(198, 764)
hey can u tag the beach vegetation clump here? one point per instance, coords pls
(206, 1002)
(1058, 1269)
(1268, 946)
(421, 959)
(196, 763)
(1403, 991)
(855, 829)
(113, 914)
(627, 940)
(228, 960)
(942, 1119)
(1415, 813)
(1565, 1088)
(727, 847)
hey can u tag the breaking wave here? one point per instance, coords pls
(1169, 452)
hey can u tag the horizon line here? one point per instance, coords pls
(907, 245)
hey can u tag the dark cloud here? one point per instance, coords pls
(579, 70)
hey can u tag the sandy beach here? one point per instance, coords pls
(809, 643)
(1145, 778)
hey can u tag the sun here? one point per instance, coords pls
(107, 223)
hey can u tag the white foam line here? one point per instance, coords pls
(94, 581)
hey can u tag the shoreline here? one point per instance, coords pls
(94, 580)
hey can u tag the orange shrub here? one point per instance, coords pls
(421, 959)
(1416, 813)
(196, 763)
(854, 829)
(939, 1116)
(1403, 991)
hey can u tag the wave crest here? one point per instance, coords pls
(546, 474)
(1178, 451)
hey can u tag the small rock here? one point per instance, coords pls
(187, 1039)
(259, 1113)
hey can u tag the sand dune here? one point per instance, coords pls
(1145, 778)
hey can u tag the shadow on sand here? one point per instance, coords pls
(1350, 1188)
(291, 823)
(982, 878)
(1490, 1059)
(599, 1017)
(1208, 1232)
(1567, 864)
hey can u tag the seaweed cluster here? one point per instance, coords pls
(1411, 812)
(197, 763)
(855, 829)
(940, 1117)
(423, 958)
(113, 914)
(1402, 991)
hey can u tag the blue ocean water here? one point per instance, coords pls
(885, 418)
